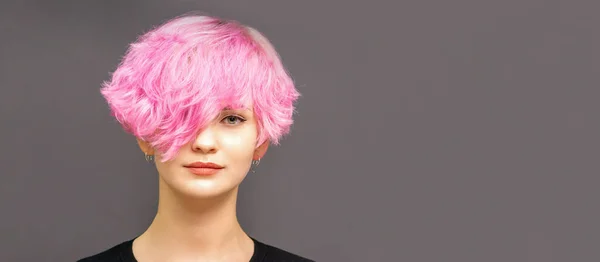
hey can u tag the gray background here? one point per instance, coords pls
(461, 130)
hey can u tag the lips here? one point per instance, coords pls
(204, 165)
(203, 169)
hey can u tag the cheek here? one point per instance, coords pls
(170, 166)
(164, 168)
(232, 140)
(239, 145)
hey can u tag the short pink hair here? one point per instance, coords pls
(175, 79)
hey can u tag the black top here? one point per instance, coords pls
(262, 253)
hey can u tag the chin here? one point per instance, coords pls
(189, 185)
(202, 188)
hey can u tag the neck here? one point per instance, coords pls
(194, 227)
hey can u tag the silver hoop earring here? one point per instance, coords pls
(149, 158)
(254, 163)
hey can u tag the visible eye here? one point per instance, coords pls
(233, 120)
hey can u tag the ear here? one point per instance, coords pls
(260, 151)
(145, 147)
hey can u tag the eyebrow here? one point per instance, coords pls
(228, 108)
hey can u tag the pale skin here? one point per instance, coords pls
(196, 218)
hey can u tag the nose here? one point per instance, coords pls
(205, 141)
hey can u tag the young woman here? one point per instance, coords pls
(204, 98)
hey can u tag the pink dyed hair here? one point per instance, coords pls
(176, 78)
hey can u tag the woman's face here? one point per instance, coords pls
(228, 143)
